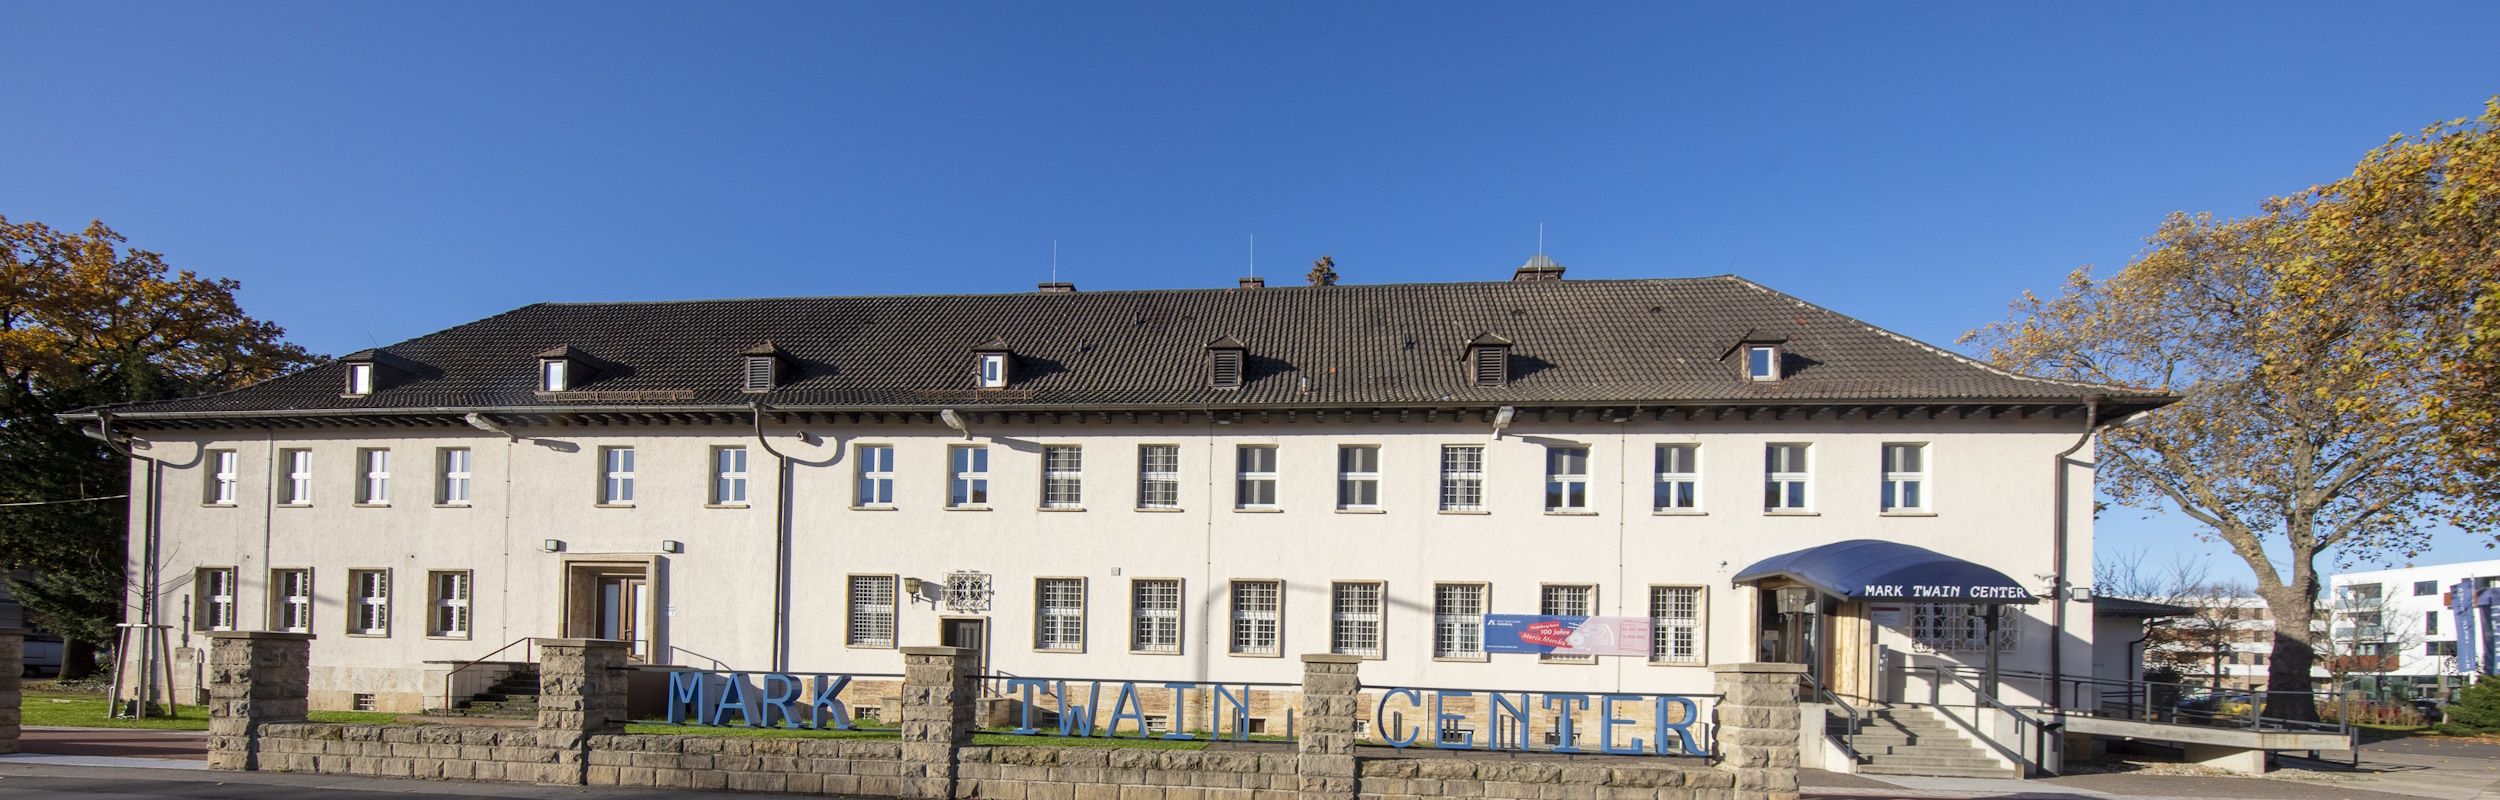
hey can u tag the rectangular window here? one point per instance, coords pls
(1462, 477)
(290, 600)
(1675, 624)
(1358, 477)
(1954, 628)
(971, 485)
(450, 602)
(1458, 620)
(1158, 476)
(993, 371)
(1679, 478)
(1762, 363)
(1256, 486)
(375, 465)
(1784, 482)
(1905, 477)
(552, 377)
(2430, 623)
(1155, 607)
(616, 476)
(297, 490)
(876, 476)
(729, 476)
(2425, 588)
(1354, 619)
(1063, 477)
(455, 486)
(1566, 479)
(371, 589)
(872, 611)
(216, 599)
(360, 379)
(1567, 600)
(1258, 621)
(1059, 616)
(221, 477)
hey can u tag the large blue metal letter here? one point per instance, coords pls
(733, 694)
(685, 691)
(1073, 717)
(1241, 712)
(1606, 722)
(1438, 719)
(1683, 741)
(829, 696)
(1518, 713)
(1380, 717)
(1136, 711)
(1029, 685)
(1180, 705)
(1566, 740)
(781, 693)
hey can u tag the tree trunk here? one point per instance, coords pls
(2287, 676)
(77, 659)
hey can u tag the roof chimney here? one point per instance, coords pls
(1254, 283)
(1538, 268)
(1055, 287)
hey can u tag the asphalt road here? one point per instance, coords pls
(41, 782)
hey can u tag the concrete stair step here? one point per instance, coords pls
(1936, 772)
(1928, 750)
(1965, 759)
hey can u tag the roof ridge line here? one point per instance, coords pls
(1881, 331)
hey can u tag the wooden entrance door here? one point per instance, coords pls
(969, 633)
(624, 611)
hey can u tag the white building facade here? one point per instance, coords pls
(1149, 486)
(2402, 619)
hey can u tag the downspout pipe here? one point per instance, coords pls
(2057, 548)
(149, 578)
(781, 544)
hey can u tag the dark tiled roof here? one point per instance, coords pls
(1654, 342)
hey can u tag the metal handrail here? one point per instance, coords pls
(2254, 719)
(1935, 698)
(1849, 736)
(455, 671)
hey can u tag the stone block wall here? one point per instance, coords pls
(799, 766)
(1417, 778)
(410, 751)
(1109, 773)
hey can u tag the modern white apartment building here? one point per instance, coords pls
(1143, 485)
(2396, 622)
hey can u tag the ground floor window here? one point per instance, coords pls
(290, 600)
(1568, 600)
(372, 612)
(450, 602)
(1960, 627)
(872, 611)
(216, 599)
(1156, 627)
(1354, 619)
(1458, 620)
(1059, 622)
(1675, 624)
(1257, 621)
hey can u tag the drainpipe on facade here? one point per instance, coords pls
(781, 545)
(2057, 583)
(148, 574)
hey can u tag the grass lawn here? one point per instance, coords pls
(59, 710)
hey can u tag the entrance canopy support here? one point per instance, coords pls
(1861, 570)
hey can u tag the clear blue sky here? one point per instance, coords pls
(373, 172)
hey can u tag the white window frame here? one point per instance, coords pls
(1551, 599)
(216, 599)
(458, 468)
(223, 478)
(373, 476)
(876, 476)
(291, 599)
(1258, 617)
(993, 370)
(1348, 478)
(1058, 625)
(369, 593)
(1352, 622)
(298, 487)
(729, 476)
(448, 594)
(1063, 476)
(1249, 482)
(555, 375)
(1462, 478)
(359, 379)
(1158, 488)
(968, 483)
(1562, 489)
(1677, 492)
(871, 604)
(1788, 486)
(1762, 362)
(1458, 610)
(1155, 620)
(1958, 628)
(1914, 482)
(616, 476)
(1679, 635)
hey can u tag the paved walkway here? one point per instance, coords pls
(2397, 769)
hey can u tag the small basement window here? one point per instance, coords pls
(1762, 362)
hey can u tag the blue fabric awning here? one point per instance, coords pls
(1871, 569)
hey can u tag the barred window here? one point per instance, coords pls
(1958, 627)
(216, 599)
(372, 615)
(872, 611)
(291, 596)
(1059, 623)
(1675, 624)
(1458, 620)
(1462, 477)
(1567, 600)
(1256, 486)
(1156, 627)
(451, 604)
(1063, 477)
(1679, 478)
(1158, 476)
(1358, 477)
(1354, 619)
(1257, 623)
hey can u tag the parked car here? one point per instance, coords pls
(2434, 710)
(43, 655)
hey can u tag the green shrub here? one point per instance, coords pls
(2453, 729)
(2477, 706)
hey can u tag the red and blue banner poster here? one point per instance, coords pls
(1566, 636)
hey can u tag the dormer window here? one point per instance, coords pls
(1762, 362)
(552, 375)
(370, 371)
(359, 379)
(563, 369)
(764, 369)
(1488, 359)
(993, 364)
(1226, 361)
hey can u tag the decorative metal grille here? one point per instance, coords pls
(967, 592)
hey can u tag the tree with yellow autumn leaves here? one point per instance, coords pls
(2336, 353)
(85, 321)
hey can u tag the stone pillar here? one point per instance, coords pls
(581, 693)
(254, 678)
(938, 693)
(1758, 728)
(1331, 693)
(12, 665)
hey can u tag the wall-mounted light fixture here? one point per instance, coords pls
(671, 546)
(552, 546)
